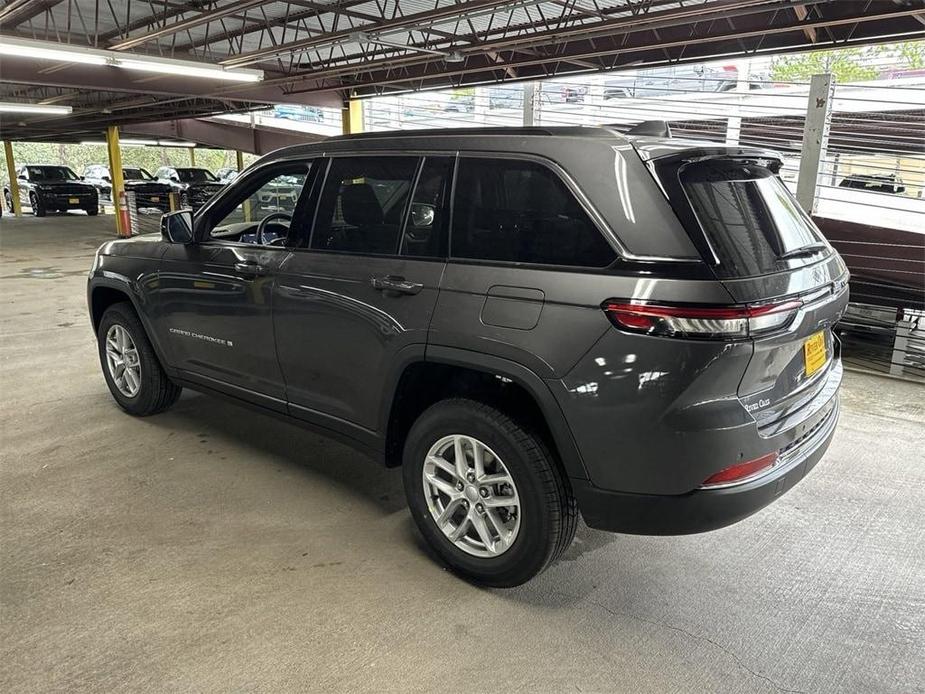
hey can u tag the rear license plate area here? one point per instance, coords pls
(815, 354)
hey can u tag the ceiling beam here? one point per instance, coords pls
(212, 133)
(25, 71)
(186, 24)
(19, 11)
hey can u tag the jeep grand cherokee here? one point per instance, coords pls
(531, 322)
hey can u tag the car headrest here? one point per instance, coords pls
(360, 206)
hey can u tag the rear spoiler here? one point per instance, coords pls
(651, 128)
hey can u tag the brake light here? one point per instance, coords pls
(741, 471)
(705, 322)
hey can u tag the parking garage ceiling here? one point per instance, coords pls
(319, 52)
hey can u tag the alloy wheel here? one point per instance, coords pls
(122, 360)
(471, 496)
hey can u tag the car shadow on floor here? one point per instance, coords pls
(287, 444)
(354, 474)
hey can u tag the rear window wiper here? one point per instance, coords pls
(811, 249)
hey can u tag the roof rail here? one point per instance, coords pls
(652, 128)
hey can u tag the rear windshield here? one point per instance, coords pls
(195, 175)
(749, 217)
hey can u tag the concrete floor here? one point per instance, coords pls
(214, 549)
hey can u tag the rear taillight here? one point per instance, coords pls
(705, 322)
(741, 471)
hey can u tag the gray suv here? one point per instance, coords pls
(531, 322)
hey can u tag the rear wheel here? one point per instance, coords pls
(8, 198)
(92, 211)
(130, 366)
(38, 207)
(486, 493)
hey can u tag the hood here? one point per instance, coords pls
(147, 185)
(205, 185)
(63, 184)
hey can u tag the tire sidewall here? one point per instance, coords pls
(38, 207)
(532, 547)
(141, 402)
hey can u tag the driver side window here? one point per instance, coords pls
(264, 207)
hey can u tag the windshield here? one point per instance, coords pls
(196, 176)
(749, 217)
(51, 173)
(136, 175)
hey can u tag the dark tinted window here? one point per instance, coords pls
(748, 215)
(425, 228)
(195, 176)
(363, 204)
(521, 211)
(51, 173)
(135, 175)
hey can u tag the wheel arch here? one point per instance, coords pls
(420, 381)
(104, 292)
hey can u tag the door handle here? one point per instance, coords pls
(250, 269)
(394, 283)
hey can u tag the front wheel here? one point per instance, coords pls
(38, 207)
(486, 493)
(130, 366)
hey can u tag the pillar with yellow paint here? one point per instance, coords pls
(352, 117)
(118, 182)
(14, 184)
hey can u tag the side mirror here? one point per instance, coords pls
(422, 215)
(177, 227)
(174, 178)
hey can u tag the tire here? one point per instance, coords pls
(155, 392)
(38, 207)
(92, 211)
(546, 518)
(8, 198)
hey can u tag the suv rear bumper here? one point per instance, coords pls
(703, 509)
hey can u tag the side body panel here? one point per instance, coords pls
(338, 336)
(215, 314)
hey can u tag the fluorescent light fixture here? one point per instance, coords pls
(65, 53)
(168, 143)
(188, 69)
(50, 51)
(12, 107)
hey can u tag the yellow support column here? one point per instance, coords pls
(192, 156)
(118, 183)
(239, 160)
(14, 184)
(352, 117)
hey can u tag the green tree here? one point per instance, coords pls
(847, 64)
(78, 157)
(912, 54)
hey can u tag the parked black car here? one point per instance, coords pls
(45, 188)
(874, 183)
(532, 322)
(149, 192)
(195, 186)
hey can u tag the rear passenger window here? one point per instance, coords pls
(363, 204)
(522, 212)
(425, 230)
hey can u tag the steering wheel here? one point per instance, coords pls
(262, 227)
